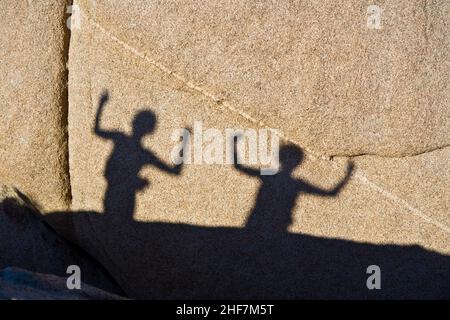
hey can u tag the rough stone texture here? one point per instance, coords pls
(19, 284)
(353, 90)
(311, 70)
(33, 100)
(29, 243)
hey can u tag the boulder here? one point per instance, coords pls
(318, 70)
(33, 100)
(328, 84)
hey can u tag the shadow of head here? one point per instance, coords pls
(144, 123)
(290, 157)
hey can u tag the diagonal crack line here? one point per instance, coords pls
(361, 176)
(218, 100)
(408, 156)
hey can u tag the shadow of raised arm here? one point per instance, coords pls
(332, 192)
(158, 163)
(105, 134)
(178, 167)
(248, 171)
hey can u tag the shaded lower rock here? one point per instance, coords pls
(158, 260)
(27, 242)
(19, 284)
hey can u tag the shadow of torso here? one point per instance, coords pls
(122, 174)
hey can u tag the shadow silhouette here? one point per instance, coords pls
(262, 260)
(127, 159)
(272, 213)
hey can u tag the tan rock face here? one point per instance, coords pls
(315, 70)
(316, 73)
(324, 75)
(33, 103)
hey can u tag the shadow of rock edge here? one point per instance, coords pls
(164, 260)
(180, 261)
(19, 284)
(27, 242)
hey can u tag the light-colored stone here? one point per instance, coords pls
(33, 100)
(313, 69)
(314, 72)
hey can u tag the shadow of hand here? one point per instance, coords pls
(350, 168)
